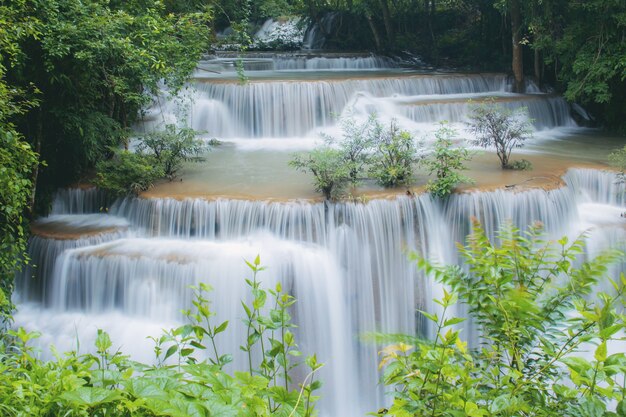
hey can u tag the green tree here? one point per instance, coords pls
(503, 129)
(95, 66)
(446, 162)
(331, 173)
(17, 158)
(532, 302)
(394, 157)
(172, 146)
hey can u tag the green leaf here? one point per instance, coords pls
(600, 354)
(172, 349)
(220, 328)
(432, 317)
(91, 396)
(453, 321)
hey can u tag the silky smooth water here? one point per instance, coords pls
(126, 266)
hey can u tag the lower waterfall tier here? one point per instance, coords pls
(345, 262)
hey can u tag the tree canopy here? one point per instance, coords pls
(92, 65)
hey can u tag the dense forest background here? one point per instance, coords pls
(74, 75)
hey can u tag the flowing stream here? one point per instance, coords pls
(126, 266)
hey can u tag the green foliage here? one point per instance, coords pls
(445, 162)
(503, 129)
(172, 146)
(520, 165)
(128, 173)
(331, 174)
(386, 155)
(532, 302)
(181, 384)
(17, 161)
(356, 144)
(395, 154)
(93, 65)
(618, 159)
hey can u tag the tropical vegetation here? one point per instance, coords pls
(186, 378)
(545, 341)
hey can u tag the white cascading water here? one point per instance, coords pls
(253, 110)
(290, 63)
(345, 262)
(129, 271)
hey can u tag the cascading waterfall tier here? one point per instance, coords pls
(346, 263)
(293, 108)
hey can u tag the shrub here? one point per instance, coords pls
(446, 162)
(520, 165)
(128, 173)
(495, 126)
(330, 171)
(172, 146)
(356, 144)
(395, 153)
(618, 159)
(532, 302)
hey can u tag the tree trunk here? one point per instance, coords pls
(516, 30)
(387, 20)
(374, 32)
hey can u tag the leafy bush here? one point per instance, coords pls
(531, 300)
(395, 154)
(520, 165)
(181, 384)
(501, 128)
(172, 146)
(618, 159)
(128, 173)
(446, 162)
(356, 144)
(159, 154)
(330, 171)
(387, 155)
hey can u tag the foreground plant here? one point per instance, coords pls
(185, 381)
(532, 303)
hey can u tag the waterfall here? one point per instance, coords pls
(253, 110)
(544, 112)
(129, 271)
(345, 262)
(315, 35)
(35, 282)
(79, 201)
(332, 63)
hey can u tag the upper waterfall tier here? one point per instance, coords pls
(332, 63)
(296, 104)
(293, 108)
